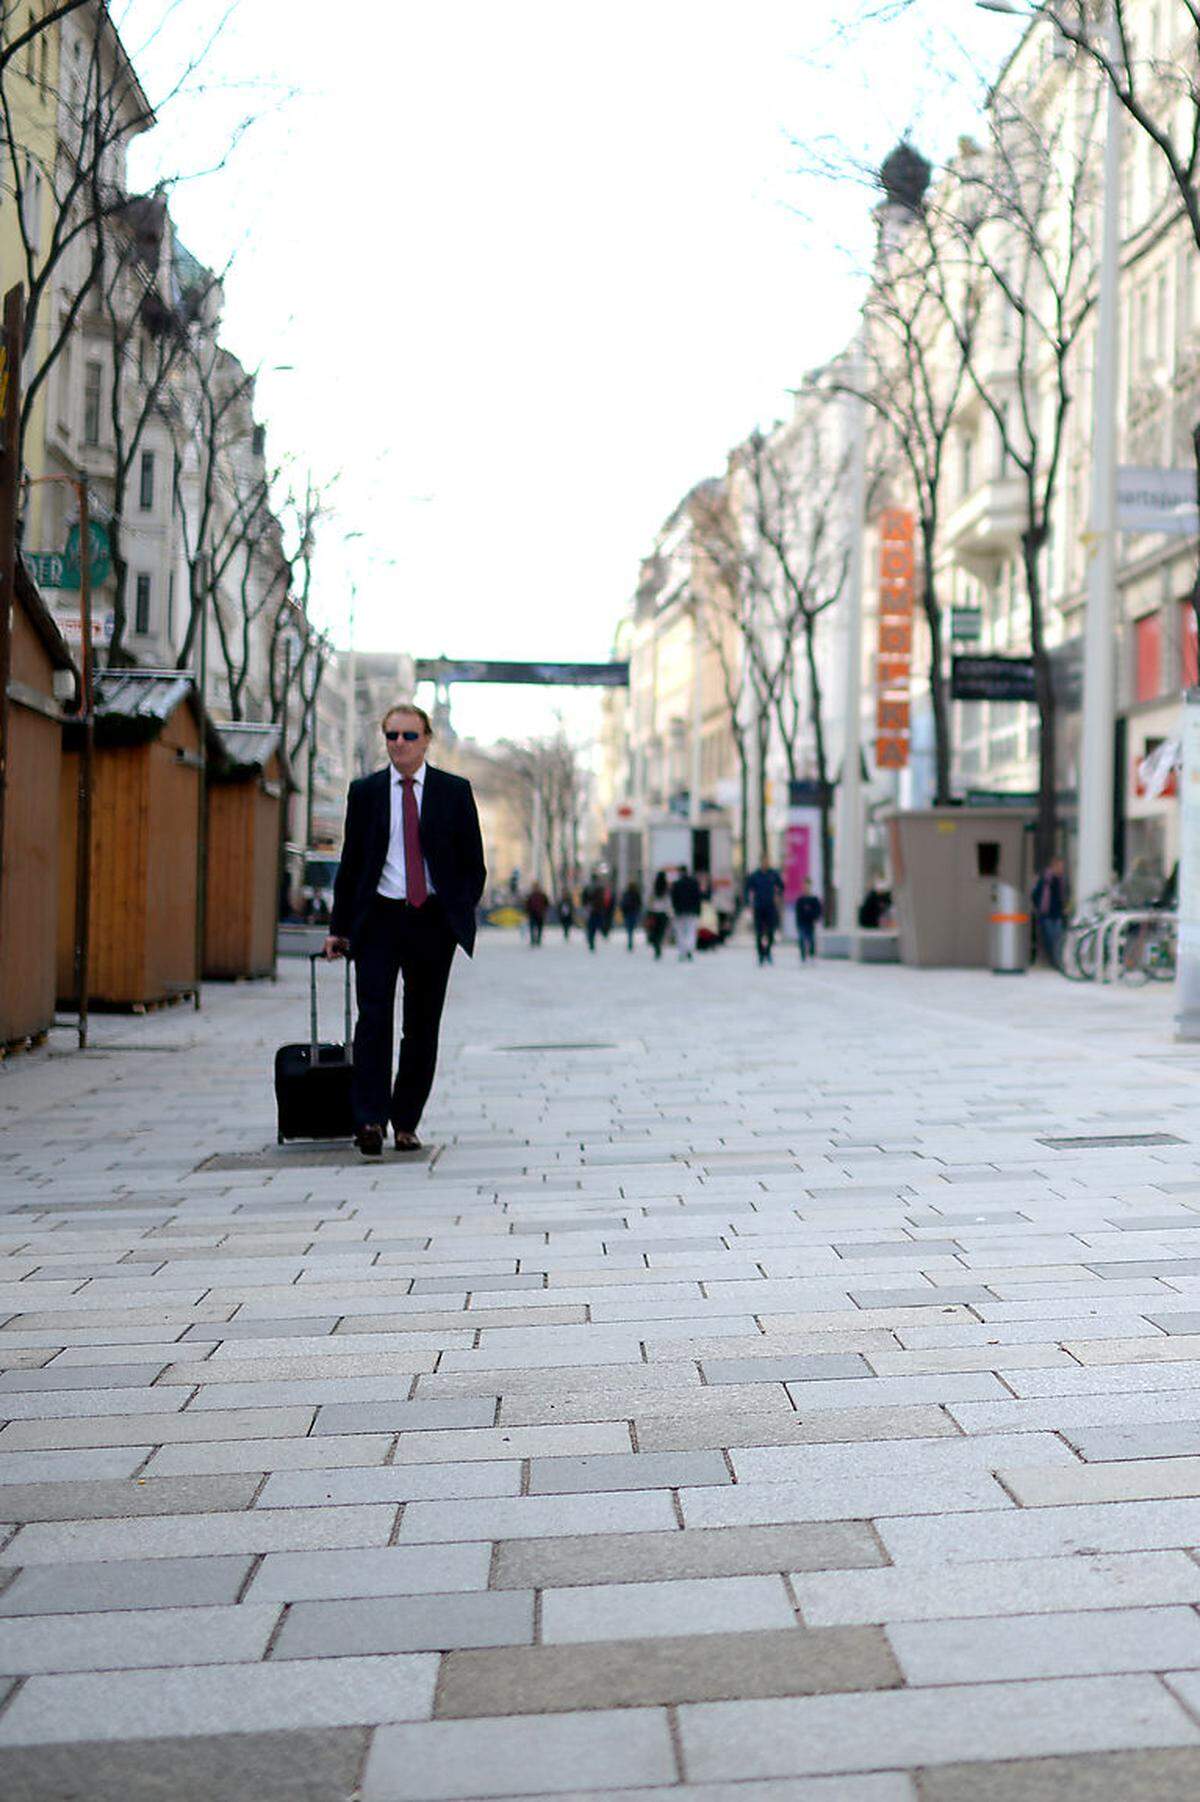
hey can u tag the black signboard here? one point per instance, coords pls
(992, 679)
(573, 675)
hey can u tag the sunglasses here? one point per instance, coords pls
(409, 738)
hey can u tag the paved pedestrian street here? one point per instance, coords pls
(768, 1384)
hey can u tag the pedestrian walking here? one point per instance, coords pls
(537, 906)
(808, 912)
(631, 910)
(685, 905)
(410, 878)
(1050, 909)
(658, 914)
(763, 889)
(595, 901)
(566, 915)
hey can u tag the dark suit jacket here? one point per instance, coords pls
(450, 840)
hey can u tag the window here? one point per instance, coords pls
(1161, 341)
(146, 482)
(31, 204)
(966, 463)
(93, 375)
(1147, 649)
(1187, 637)
(259, 441)
(141, 613)
(171, 606)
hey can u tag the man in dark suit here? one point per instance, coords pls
(411, 875)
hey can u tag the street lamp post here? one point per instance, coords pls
(1096, 752)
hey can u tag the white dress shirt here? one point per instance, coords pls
(393, 883)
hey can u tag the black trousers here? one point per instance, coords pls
(764, 934)
(418, 945)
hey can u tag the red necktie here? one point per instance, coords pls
(414, 862)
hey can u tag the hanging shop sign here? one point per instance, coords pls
(992, 679)
(893, 666)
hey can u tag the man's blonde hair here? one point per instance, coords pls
(409, 707)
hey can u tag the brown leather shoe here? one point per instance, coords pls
(369, 1140)
(407, 1141)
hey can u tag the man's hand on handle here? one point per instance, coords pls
(335, 947)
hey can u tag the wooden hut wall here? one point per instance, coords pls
(143, 919)
(173, 865)
(28, 895)
(243, 882)
(117, 962)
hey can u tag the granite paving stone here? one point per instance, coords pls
(301, 1766)
(393, 1570)
(161, 1704)
(706, 1552)
(426, 1623)
(138, 1639)
(786, 1411)
(538, 1755)
(649, 1672)
(1046, 1645)
(128, 1583)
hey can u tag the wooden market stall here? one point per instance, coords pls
(42, 677)
(242, 865)
(145, 819)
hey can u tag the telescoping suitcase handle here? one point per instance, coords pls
(315, 958)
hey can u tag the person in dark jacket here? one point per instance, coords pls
(686, 900)
(808, 912)
(631, 910)
(566, 915)
(658, 914)
(404, 899)
(1050, 908)
(537, 906)
(763, 889)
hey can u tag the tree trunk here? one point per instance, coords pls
(762, 739)
(816, 702)
(937, 677)
(1046, 831)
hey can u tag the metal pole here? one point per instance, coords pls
(285, 785)
(849, 855)
(1187, 975)
(10, 489)
(1096, 759)
(87, 762)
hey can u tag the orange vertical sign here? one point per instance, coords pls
(893, 664)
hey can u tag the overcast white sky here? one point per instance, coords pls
(533, 268)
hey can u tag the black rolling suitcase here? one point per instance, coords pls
(312, 1081)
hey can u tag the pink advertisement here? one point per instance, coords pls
(802, 852)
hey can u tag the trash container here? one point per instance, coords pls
(1008, 931)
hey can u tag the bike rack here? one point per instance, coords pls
(1108, 961)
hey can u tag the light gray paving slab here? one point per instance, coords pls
(562, 1560)
(392, 1483)
(1047, 1645)
(393, 1570)
(727, 1740)
(535, 1516)
(1042, 1532)
(135, 1640)
(128, 1583)
(240, 1697)
(426, 1623)
(654, 1609)
(536, 1755)
(643, 1470)
(996, 1587)
(328, 1453)
(255, 1530)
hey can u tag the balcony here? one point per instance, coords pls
(988, 524)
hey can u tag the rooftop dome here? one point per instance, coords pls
(904, 177)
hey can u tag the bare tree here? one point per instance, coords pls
(729, 606)
(548, 788)
(1012, 234)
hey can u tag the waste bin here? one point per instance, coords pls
(1008, 931)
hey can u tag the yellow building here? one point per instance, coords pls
(27, 188)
